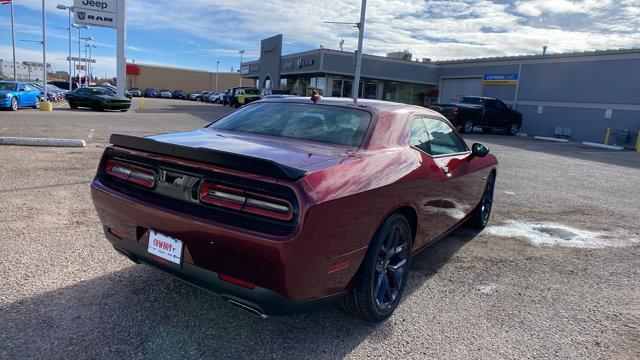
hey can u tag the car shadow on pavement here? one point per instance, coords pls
(138, 312)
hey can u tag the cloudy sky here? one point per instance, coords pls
(197, 33)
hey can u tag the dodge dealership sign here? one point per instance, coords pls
(96, 13)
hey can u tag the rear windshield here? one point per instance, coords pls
(471, 100)
(327, 124)
(8, 86)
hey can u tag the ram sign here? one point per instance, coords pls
(96, 13)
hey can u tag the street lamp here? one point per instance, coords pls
(89, 66)
(79, 65)
(70, 9)
(86, 63)
(217, 65)
(241, 53)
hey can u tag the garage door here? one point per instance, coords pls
(453, 89)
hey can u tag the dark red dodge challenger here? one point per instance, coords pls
(287, 204)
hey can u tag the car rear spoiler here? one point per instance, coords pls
(225, 159)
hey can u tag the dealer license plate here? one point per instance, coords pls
(165, 247)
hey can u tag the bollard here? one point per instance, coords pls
(46, 106)
(607, 136)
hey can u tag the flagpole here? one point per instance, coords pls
(13, 44)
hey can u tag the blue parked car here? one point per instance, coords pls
(16, 94)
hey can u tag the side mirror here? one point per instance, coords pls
(479, 150)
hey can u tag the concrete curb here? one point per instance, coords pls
(544, 138)
(25, 141)
(603, 146)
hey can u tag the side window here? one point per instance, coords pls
(419, 137)
(443, 140)
(21, 87)
(501, 105)
(490, 104)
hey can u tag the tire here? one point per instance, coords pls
(487, 130)
(14, 104)
(374, 294)
(37, 104)
(481, 214)
(467, 126)
(513, 129)
(73, 105)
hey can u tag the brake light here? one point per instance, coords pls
(456, 111)
(253, 203)
(132, 173)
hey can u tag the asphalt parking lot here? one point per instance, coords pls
(556, 275)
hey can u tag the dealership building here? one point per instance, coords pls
(573, 95)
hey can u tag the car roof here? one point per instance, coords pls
(379, 105)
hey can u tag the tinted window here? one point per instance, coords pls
(501, 105)
(490, 104)
(8, 86)
(328, 124)
(471, 100)
(442, 138)
(419, 137)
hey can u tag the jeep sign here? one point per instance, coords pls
(96, 12)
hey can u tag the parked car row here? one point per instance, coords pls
(162, 93)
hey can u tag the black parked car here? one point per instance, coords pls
(179, 94)
(97, 98)
(150, 93)
(487, 113)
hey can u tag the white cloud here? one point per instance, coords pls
(438, 29)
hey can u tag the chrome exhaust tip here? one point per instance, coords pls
(247, 308)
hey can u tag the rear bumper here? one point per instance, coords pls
(290, 274)
(262, 301)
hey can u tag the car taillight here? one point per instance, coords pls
(132, 173)
(245, 201)
(456, 111)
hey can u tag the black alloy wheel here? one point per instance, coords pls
(390, 269)
(513, 129)
(467, 126)
(380, 282)
(480, 217)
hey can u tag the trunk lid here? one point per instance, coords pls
(286, 151)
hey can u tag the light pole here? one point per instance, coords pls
(79, 38)
(69, 8)
(358, 66)
(241, 53)
(356, 81)
(86, 62)
(90, 67)
(217, 65)
(44, 54)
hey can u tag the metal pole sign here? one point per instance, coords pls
(109, 14)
